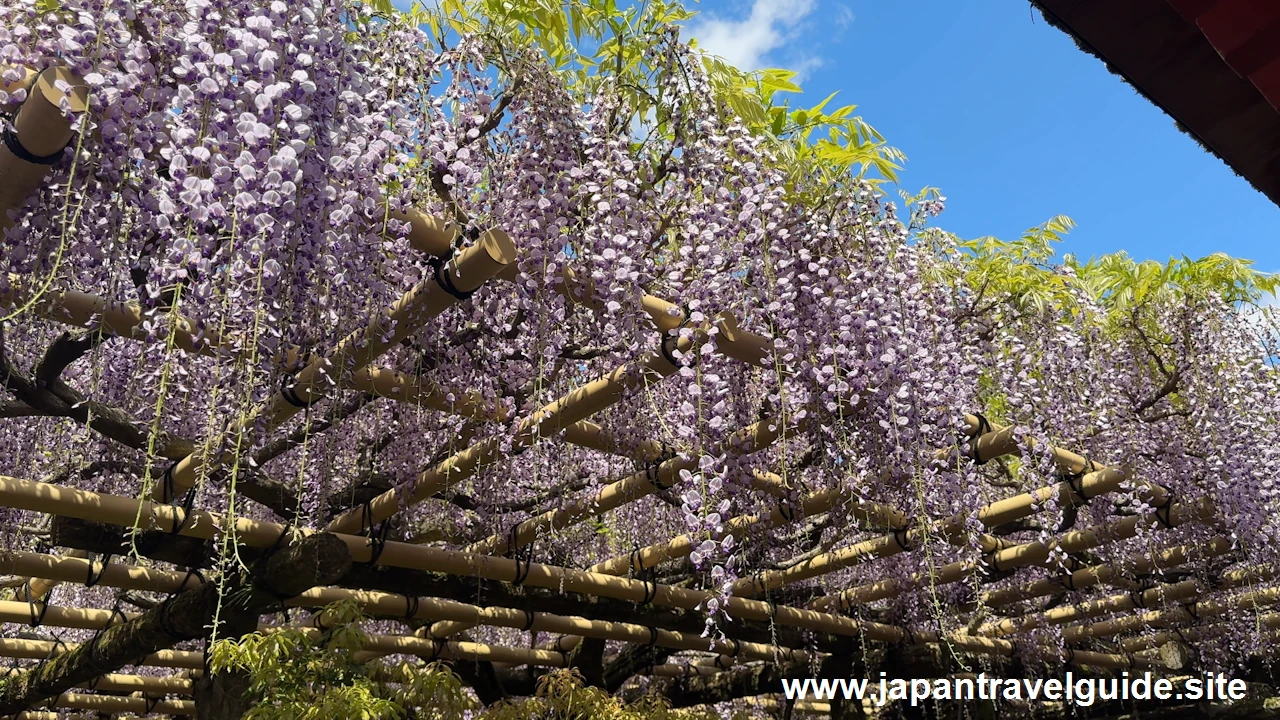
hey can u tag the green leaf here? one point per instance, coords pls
(779, 80)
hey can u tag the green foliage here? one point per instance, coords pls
(598, 43)
(297, 674)
(426, 692)
(1025, 273)
(294, 676)
(1022, 269)
(1118, 281)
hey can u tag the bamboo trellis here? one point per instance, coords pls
(42, 133)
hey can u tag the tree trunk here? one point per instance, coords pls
(225, 695)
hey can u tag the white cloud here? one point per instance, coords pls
(803, 66)
(746, 42)
(843, 17)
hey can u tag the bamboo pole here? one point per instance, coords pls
(999, 442)
(40, 133)
(992, 444)
(1148, 645)
(80, 309)
(72, 502)
(954, 529)
(467, 272)
(816, 707)
(992, 515)
(414, 390)
(394, 605)
(680, 670)
(79, 570)
(22, 613)
(41, 649)
(1090, 576)
(682, 545)
(734, 342)
(428, 649)
(1019, 556)
(546, 421)
(112, 682)
(822, 501)
(119, 704)
(382, 604)
(113, 509)
(1160, 594)
(585, 433)
(38, 588)
(1186, 614)
(428, 235)
(616, 494)
(449, 611)
(50, 715)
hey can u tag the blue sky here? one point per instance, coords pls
(1009, 119)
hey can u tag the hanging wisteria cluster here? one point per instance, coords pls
(244, 166)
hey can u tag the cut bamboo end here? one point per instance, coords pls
(41, 587)
(475, 265)
(42, 131)
(739, 344)
(446, 628)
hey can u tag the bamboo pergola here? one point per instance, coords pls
(619, 606)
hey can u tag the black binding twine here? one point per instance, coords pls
(191, 572)
(1164, 513)
(444, 277)
(653, 474)
(377, 532)
(644, 575)
(184, 507)
(1076, 480)
(37, 617)
(289, 392)
(529, 618)
(57, 643)
(673, 336)
(523, 556)
(900, 536)
(111, 622)
(411, 604)
(11, 141)
(1190, 609)
(93, 578)
(984, 427)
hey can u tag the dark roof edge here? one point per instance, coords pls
(1055, 21)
